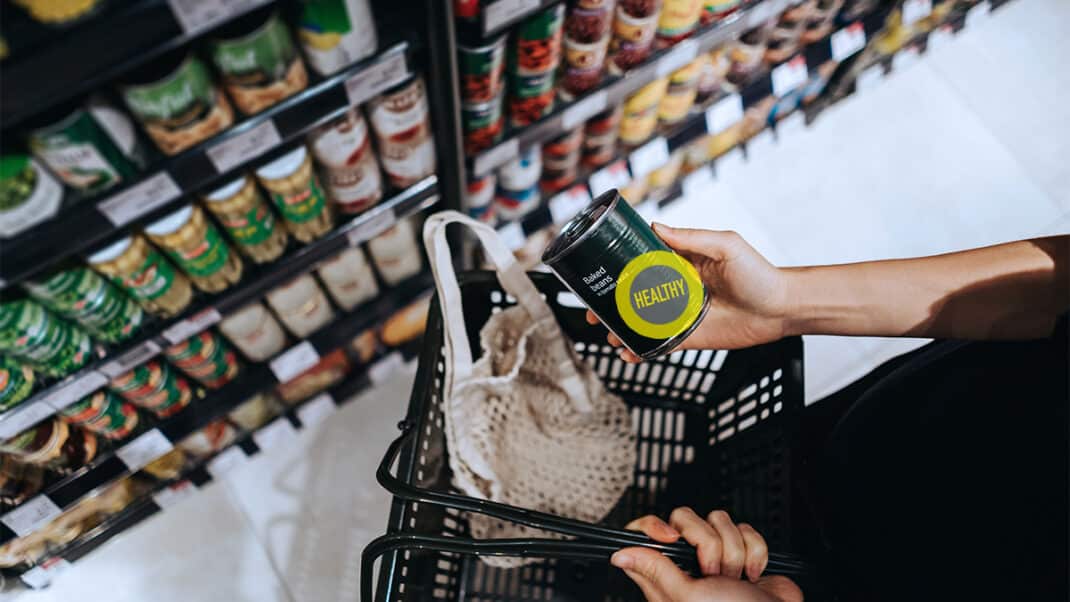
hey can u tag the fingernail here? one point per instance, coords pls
(622, 560)
(658, 226)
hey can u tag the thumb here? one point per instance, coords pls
(711, 243)
(644, 564)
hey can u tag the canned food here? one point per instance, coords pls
(258, 61)
(81, 295)
(198, 248)
(336, 33)
(28, 194)
(634, 28)
(396, 253)
(349, 278)
(145, 274)
(177, 102)
(16, 382)
(297, 194)
(482, 70)
(712, 75)
(678, 20)
(104, 414)
(52, 444)
(241, 209)
(155, 387)
(479, 198)
(560, 161)
(518, 185)
(254, 331)
(600, 137)
(214, 437)
(483, 124)
(31, 333)
(301, 305)
(403, 128)
(583, 66)
(532, 98)
(206, 358)
(641, 112)
(344, 150)
(680, 95)
(647, 295)
(716, 10)
(746, 53)
(533, 59)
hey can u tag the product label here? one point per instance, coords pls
(152, 280)
(188, 92)
(205, 259)
(658, 294)
(259, 59)
(301, 206)
(352, 171)
(79, 165)
(252, 227)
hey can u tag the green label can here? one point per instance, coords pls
(155, 387)
(483, 125)
(16, 382)
(206, 358)
(104, 414)
(482, 69)
(646, 294)
(79, 150)
(52, 346)
(83, 296)
(260, 66)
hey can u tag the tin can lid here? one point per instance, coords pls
(284, 166)
(226, 191)
(111, 251)
(170, 223)
(577, 229)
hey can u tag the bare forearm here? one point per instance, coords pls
(1008, 291)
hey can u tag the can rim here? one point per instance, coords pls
(569, 238)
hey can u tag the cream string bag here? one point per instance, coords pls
(529, 424)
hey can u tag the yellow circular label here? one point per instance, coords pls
(659, 294)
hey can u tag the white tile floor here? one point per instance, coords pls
(967, 147)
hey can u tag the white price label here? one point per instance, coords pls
(680, 55)
(384, 74)
(614, 175)
(648, 210)
(584, 110)
(724, 114)
(226, 461)
(915, 10)
(698, 182)
(496, 156)
(869, 77)
(33, 514)
(174, 493)
(141, 198)
(905, 58)
(792, 124)
(367, 227)
(316, 410)
(512, 234)
(564, 205)
(192, 325)
(848, 41)
(275, 434)
(502, 12)
(381, 370)
(939, 37)
(649, 157)
(291, 363)
(244, 146)
(789, 76)
(23, 417)
(975, 15)
(41, 576)
(131, 359)
(144, 449)
(71, 392)
(198, 15)
(760, 143)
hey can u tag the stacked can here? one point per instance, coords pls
(206, 358)
(402, 124)
(587, 34)
(336, 33)
(104, 414)
(784, 38)
(641, 112)
(745, 54)
(16, 382)
(677, 21)
(479, 198)
(533, 61)
(680, 95)
(600, 137)
(52, 444)
(155, 387)
(482, 68)
(561, 161)
(81, 295)
(712, 75)
(197, 246)
(518, 185)
(145, 274)
(343, 149)
(28, 193)
(821, 19)
(32, 334)
(635, 23)
(297, 194)
(716, 10)
(241, 209)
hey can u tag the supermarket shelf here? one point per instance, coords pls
(255, 140)
(91, 54)
(108, 466)
(209, 310)
(499, 15)
(567, 115)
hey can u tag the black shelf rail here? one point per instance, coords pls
(109, 466)
(208, 310)
(567, 115)
(167, 185)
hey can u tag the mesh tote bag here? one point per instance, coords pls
(528, 423)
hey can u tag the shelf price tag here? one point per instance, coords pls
(275, 434)
(584, 110)
(789, 76)
(497, 14)
(41, 576)
(242, 147)
(141, 198)
(614, 175)
(389, 71)
(870, 77)
(198, 15)
(31, 515)
(316, 410)
(226, 461)
(512, 234)
(291, 363)
(915, 10)
(144, 449)
(132, 358)
(568, 203)
(697, 182)
(680, 55)
(174, 493)
(367, 227)
(381, 370)
(724, 114)
(71, 392)
(496, 156)
(23, 417)
(848, 41)
(192, 325)
(649, 157)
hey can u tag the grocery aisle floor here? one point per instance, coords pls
(966, 147)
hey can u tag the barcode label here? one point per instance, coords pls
(584, 110)
(848, 41)
(377, 78)
(497, 14)
(141, 198)
(76, 390)
(614, 175)
(131, 359)
(724, 114)
(23, 417)
(144, 449)
(192, 325)
(195, 16)
(566, 204)
(295, 360)
(242, 147)
(41, 576)
(367, 227)
(33, 514)
(789, 76)
(496, 156)
(316, 410)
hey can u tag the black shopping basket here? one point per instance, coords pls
(714, 431)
